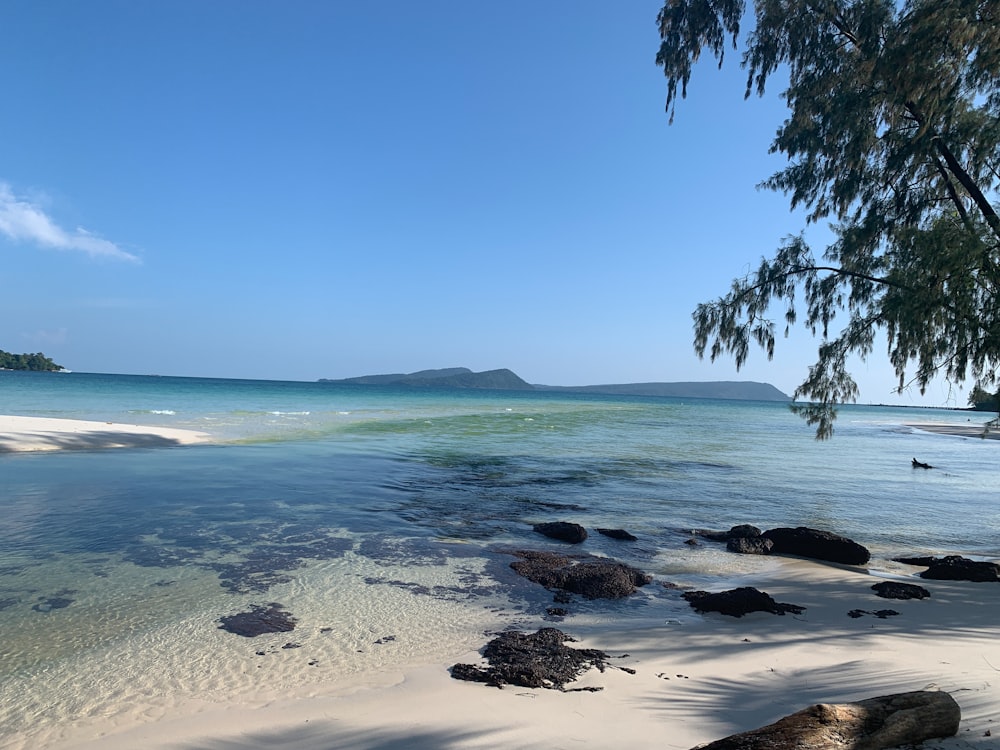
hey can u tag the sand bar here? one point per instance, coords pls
(970, 429)
(697, 678)
(23, 434)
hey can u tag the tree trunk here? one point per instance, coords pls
(872, 724)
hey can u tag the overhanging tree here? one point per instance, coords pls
(893, 136)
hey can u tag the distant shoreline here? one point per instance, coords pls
(969, 430)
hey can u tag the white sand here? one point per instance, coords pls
(969, 429)
(22, 434)
(696, 680)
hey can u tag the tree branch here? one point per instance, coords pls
(833, 269)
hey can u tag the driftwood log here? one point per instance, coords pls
(871, 724)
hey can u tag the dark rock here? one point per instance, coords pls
(738, 602)
(292, 645)
(743, 530)
(880, 613)
(924, 561)
(897, 590)
(541, 566)
(692, 542)
(921, 465)
(533, 660)
(747, 545)
(564, 531)
(557, 611)
(259, 620)
(883, 613)
(603, 580)
(618, 534)
(817, 545)
(957, 568)
(593, 578)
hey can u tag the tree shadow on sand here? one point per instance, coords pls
(85, 441)
(777, 687)
(330, 736)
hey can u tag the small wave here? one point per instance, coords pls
(168, 412)
(290, 413)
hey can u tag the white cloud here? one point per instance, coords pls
(23, 221)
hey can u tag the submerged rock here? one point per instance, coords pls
(738, 602)
(533, 660)
(817, 545)
(271, 618)
(592, 578)
(47, 604)
(620, 534)
(564, 531)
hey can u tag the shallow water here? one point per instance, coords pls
(378, 517)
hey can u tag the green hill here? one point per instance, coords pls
(505, 380)
(453, 377)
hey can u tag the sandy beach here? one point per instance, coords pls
(696, 679)
(25, 434)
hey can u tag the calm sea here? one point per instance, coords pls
(378, 516)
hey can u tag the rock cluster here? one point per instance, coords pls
(591, 577)
(800, 541)
(533, 660)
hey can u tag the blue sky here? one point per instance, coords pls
(326, 189)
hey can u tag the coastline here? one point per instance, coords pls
(30, 434)
(697, 679)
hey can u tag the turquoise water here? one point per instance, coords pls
(370, 511)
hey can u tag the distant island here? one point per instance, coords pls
(34, 362)
(506, 380)
(452, 377)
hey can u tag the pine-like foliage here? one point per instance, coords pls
(893, 135)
